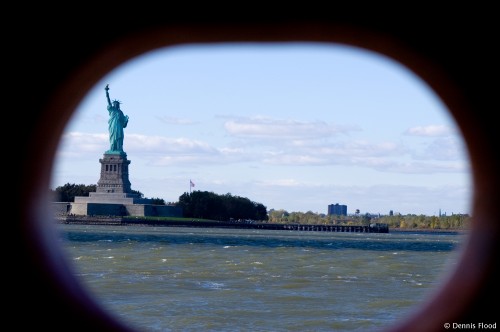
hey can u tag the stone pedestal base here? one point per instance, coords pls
(114, 174)
(113, 196)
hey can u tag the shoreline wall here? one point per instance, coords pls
(117, 220)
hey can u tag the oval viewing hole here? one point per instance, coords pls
(295, 127)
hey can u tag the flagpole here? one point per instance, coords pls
(191, 185)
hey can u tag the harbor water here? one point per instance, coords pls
(210, 279)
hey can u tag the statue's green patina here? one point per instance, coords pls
(117, 121)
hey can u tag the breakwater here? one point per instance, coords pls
(111, 220)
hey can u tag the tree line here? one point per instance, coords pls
(409, 221)
(208, 205)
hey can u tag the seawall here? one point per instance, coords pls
(111, 220)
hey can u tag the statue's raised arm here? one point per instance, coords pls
(107, 94)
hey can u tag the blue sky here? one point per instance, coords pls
(294, 126)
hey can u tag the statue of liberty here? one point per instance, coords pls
(117, 121)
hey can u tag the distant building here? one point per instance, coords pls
(337, 210)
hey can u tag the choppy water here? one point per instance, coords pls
(195, 279)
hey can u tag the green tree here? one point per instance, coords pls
(67, 192)
(137, 192)
(158, 201)
(277, 216)
(365, 219)
(208, 205)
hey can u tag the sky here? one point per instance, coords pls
(293, 126)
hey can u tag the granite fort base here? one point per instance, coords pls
(114, 196)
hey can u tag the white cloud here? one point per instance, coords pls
(412, 167)
(363, 149)
(161, 144)
(430, 131)
(280, 183)
(442, 154)
(76, 143)
(446, 148)
(294, 159)
(261, 127)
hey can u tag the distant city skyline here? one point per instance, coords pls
(294, 126)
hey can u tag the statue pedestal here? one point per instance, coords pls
(114, 196)
(114, 173)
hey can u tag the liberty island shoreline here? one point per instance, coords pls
(194, 223)
(137, 221)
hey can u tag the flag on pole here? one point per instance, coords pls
(191, 184)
